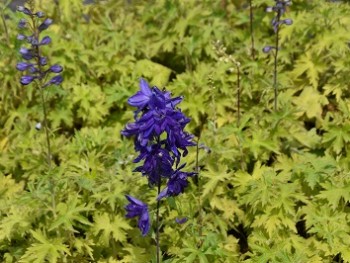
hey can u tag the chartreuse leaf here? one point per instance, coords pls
(228, 206)
(70, 213)
(336, 189)
(107, 227)
(308, 167)
(136, 254)
(337, 136)
(309, 64)
(8, 188)
(329, 225)
(84, 245)
(91, 102)
(15, 220)
(158, 73)
(45, 250)
(310, 102)
(215, 175)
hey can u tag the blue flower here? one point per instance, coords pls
(157, 163)
(25, 80)
(22, 66)
(137, 208)
(159, 135)
(142, 97)
(45, 24)
(159, 115)
(176, 184)
(279, 8)
(36, 66)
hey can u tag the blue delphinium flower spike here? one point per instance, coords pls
(161, 142)
(136, 208)
(36, 64)
(279, 8)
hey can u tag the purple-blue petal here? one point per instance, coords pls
(21, 37)
(181, 220)
(22, 66)
(56, 80)
(40, 14)
(25, 80)
(45, 41)
(45, 24)
(22, 23)
(56, 68)
(138, 208)
(43, 61)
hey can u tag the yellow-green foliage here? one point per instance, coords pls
(273, 186)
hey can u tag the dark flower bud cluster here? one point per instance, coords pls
(35, 64)
(160, 139)
(279, 8)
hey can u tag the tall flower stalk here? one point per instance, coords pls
(161, 142)
(251, 19)
(35, 65)
(279, 8)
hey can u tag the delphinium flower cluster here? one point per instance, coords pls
(35, 64)
(161, 142)
(279, 8)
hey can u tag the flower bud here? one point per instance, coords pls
(22, 23)
(24, 10)
(287, 21)
(45, 41)
(56, 68)
(38, 126)
(21, 37)
(25, 80)
(56, 80)
(40, 14)
(45, 24)
(43, 61)
(267, 49)
(22, 66)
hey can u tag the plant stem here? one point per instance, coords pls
(238, 96)
(5, 27)
(275, 61)
(43, 102)
(46, 127)
(200, 217)
(251, 29)
(196, 178)
(157, 224)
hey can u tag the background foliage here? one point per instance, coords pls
(274, 186)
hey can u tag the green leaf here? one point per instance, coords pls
(46, 250)
(107, 227)
(310, 102)
(158, 73)
(70, 213)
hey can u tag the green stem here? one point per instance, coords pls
(251, 29)
(43, 102)
(238, 96)
(200, 216)
(5, 27)
(46, 128)
(275, 62)
(157, 224)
